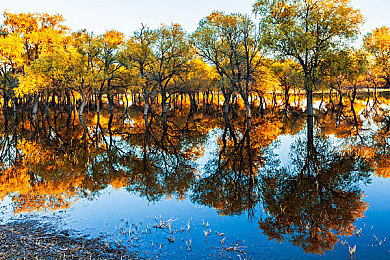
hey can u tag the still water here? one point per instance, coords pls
(200, 186)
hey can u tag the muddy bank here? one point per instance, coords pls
(32, 239)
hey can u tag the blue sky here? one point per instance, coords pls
(127, 15)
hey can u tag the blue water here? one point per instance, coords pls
(197, 231)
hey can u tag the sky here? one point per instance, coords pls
(126, 16)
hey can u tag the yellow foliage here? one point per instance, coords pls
(113, 38)
(11, 49)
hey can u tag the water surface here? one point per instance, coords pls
(199, 185)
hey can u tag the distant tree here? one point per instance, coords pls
(288, 75)
(171, 53)
(231, 44)
(136, 56)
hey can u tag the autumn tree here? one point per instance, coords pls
(171, 53)
(11, 51)
(110, 68)
(378, 44)
(199, 77)
(41, 34)
(345, 71)
(136, 56)
(288, 76)
(231, 43)
(306, 31)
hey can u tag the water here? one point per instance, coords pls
(201, 186)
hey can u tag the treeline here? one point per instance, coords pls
(296, 44)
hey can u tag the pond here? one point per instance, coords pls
(199, 185)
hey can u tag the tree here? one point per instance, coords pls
(40, 34)
(378, 44)
(288, 75)
(231, 44)
(171, 53)
(108, 62)
(199, 77)
(136, 56)
(11, 51)
(345, 71)
(306, 31)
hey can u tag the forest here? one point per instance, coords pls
(204, 117)
(229, 60)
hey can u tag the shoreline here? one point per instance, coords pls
(33, 239)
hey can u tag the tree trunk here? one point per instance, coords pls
(146, 111)
(287, 98)
(81, 109)
(110, 102)
(248, 114)
(340, 98)
(5, 104)
(353, 98)
(226, 104)
(309, 99)
(35, 111)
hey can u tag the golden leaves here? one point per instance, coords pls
(11, 50)
(113, 38)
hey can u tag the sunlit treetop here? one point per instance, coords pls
(11, 50)
(307, 30)
(40, 32)
(378, 42)
(113, 38)
(25, 23)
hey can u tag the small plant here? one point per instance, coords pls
(188, 244)
(206, 233)
(188, 225)
(352, 250)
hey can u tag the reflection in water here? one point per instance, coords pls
(160, 163)
(310, 202)
(381, 146)
(316, 198)
(230, 183)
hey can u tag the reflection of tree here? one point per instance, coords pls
(158, 160)
(380, 148)
(292, 119)
(53, 166)
(229, 183)
(41, 180)
(309, 203)
(374, 143)
(317, 198)
(343, 122)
